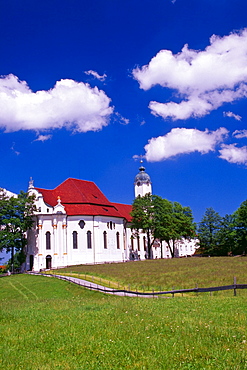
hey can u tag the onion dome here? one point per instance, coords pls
(142, 177)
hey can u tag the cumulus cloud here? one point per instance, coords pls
(233, 154)
(204, 80)
(240, 134)
(70, 104)
(43, 138)
(96, 75)
(232, 115)
(183, 141)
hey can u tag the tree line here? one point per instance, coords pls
(169, 221)
(222, 236)
(163, 220)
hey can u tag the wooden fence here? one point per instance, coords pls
(132, 293)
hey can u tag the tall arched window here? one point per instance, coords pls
(118, 240)
(132, 242)
(75, 243)
(105, 239)
(138, 242)
(89, 239)
(48, 240)
(144, 243)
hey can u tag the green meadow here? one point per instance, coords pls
(165, 274)
(51, 324)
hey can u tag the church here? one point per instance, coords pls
(76, 224)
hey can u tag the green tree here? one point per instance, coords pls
(208, 232)
(163, 220)
(241, 229)
(142, 218)
(227, 236)
(173, 222)
(16, 217)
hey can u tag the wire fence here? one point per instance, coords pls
(135, 293)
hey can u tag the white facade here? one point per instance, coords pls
(59, 239)
(76, 224)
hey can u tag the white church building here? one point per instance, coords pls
(76, 224)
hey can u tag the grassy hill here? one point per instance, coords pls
(48, 324)
(166, 274)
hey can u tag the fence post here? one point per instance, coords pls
(235, 282)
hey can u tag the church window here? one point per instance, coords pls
(144, 243)
(75, 243)
(105, 239)
(118, 240)
(48, 240)
(132, 242)
(138, 243)
(89, 239)
(81, 224)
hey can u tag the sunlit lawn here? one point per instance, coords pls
(50, 324)
(178, 273)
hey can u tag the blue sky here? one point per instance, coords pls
(88, 86)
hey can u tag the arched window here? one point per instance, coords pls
(75, 243)
(48, 240)
(132, 242)
(118, 240)
(138, 242)
(144, 243)
(89, 239)
(105, 239)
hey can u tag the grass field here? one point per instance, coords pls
(166, 274)
(49, 324)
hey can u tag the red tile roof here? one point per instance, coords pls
(125, 210)
(81, 197)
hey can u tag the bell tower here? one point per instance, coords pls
(142, 182)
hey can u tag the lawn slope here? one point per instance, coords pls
(48, 324)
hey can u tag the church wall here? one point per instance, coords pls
(109, 248)
(79, 253)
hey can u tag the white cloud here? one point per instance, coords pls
(240, 134)
(43, 138)
(183, 141)
(204, 80)
(233, 154)
(14, 150)
(70, 104)
(122, 120)
(96, 75)
(232, 115)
